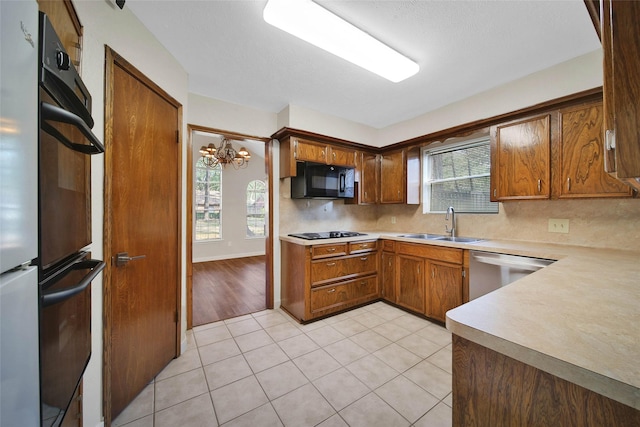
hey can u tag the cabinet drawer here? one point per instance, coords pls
(438, 253)
(359, 247)
(343, 294)
(388, 245)
(329, 270)
(323, 251)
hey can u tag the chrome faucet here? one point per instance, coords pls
(450, 213)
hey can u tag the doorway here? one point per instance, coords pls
(226, 238)
(142, 233)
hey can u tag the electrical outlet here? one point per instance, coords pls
(558, 225)
(393, 220)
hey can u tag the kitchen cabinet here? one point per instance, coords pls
(429, 279)
(383, 178)
(318, 280)
(369, 179)
(388, 271)
(621, 89)
(65, 21)
(392, 177)
(411, 285)
(520, 159)
(580, 167)
(294, 149)
(491, 389)
(445, 289)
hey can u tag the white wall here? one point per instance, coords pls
(234, 242)
(105, 24)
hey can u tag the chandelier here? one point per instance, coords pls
(213, 156)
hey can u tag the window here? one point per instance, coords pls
(208, 224)
(458, 175)
(256, 195)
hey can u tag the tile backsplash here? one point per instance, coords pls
(607, 223)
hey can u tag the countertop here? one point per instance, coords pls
(578, 319)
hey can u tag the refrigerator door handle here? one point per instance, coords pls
(96, 266)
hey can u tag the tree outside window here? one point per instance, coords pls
(208, 202)
(256, 197)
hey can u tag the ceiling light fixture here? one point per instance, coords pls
(225, 154)
(316, 25)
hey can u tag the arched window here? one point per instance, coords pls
(208, 201)
(256, 208)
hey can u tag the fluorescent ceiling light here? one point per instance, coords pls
(316, 25)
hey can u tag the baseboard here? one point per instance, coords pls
(231, 256)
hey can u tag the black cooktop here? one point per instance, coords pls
(327, 235)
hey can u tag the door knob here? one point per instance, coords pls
(123, 258)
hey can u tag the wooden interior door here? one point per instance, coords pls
(142, 232)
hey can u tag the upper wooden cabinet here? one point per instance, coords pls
(621, 90)
(392, 177)
(294, 149)
(520, 159)
(65, 21)
(369, 179)
(383, 178)
(580, 168)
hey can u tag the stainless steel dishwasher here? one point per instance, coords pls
(490, 271)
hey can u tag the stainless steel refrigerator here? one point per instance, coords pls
(19, 359)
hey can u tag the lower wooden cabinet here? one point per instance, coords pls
(388, 276)
(339, 295)
(318, 280)
(444, 289)
(428, 279)
(410, 283)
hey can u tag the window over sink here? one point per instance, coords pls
(458, 175)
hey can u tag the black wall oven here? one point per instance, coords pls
(64, 225)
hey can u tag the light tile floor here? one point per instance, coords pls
(372, 366)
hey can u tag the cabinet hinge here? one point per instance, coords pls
(464, 273)
(176, 317)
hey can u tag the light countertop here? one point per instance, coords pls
(578, 319)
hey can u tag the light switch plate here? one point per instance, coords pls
(558, 225)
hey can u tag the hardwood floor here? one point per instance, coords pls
(228, 288)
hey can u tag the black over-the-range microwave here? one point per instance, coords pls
(319, 181)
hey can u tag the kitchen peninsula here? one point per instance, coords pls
(569, 330)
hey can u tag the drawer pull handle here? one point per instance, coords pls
(364, 258)
(331, 264)
(331, 249)
(331, 290)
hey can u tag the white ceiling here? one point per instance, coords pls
(462, 47)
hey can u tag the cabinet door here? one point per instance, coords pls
(581, 171)
(309, 152)
(369, 179)
(621, 89)
(444, 289)
(342, 157)
(389, 276)
(392, 178)
(410, 282)
(520, 167)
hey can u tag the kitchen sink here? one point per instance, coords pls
(424, 236)
(441, 237)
